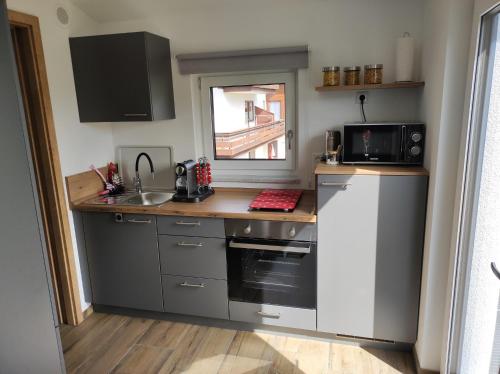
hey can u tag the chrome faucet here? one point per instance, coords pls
(137, 180)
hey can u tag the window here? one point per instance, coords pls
(248, 121)
(250, 111)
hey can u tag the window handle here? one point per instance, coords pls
(495, 270)
(289, 136)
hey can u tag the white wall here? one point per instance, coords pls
(79, 144)
(447, 25)
(339, 32)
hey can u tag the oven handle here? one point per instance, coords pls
(269, 247)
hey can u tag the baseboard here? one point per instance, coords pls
(87, 312)
(418, 367)
(244, 326)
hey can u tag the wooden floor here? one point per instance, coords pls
(106, 343)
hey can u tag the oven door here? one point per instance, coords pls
(272, 272)
(373, 144)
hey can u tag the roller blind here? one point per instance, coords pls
(244, 60)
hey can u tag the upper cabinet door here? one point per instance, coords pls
(123, 77)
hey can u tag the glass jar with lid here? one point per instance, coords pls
(331, 76)
(374, 74)
(351, 75)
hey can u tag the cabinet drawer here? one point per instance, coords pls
(191, 226)
(195, 296)
(275, 315)
(193, 256)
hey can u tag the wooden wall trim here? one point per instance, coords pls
(88, 312)
(58, 207)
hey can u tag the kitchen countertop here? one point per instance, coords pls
(324, 169)
(225, 203)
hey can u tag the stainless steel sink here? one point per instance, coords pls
(150, 198)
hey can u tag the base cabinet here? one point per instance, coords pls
(195, 296)
(274, 315)
(123, 260)
(370, 241)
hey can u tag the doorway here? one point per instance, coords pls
(27, 45)
(474, 340)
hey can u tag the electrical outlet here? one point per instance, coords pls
(358, 95)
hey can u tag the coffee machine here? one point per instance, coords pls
(333, 147)
(192, 181)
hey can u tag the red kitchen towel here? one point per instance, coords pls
(276, 199)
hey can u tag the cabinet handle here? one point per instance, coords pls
(132, 220)
(268, 315)
(135, 114)
(186, 284)
(184, 244)
(182, 223)
(335, 184)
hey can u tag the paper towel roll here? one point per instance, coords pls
(405, 52)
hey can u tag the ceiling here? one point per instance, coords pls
(112, 10)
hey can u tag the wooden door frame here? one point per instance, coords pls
(63, 268)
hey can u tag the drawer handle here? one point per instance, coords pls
(268, 315)
(135, 114)
(186, 284)
(182, 223)
(184, 244)
(132, 220)
(334, 184)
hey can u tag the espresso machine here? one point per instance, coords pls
(333, 147)
(192, 181)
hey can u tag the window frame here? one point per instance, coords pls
(207, 82)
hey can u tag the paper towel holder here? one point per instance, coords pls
(405, 55)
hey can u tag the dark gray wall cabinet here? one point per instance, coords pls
(123, 77)
(370, 241)
(123, 261)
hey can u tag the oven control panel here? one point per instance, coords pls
(278, 230)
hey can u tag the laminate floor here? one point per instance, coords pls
(106, 343)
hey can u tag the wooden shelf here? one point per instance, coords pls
(364, 87)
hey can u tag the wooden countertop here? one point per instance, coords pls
(225, 203)
(324, 169)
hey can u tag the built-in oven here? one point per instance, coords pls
(384, 143)
(272, 263)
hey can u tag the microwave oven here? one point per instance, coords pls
(384, 143)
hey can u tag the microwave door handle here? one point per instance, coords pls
(402, 143)
(269, 247)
